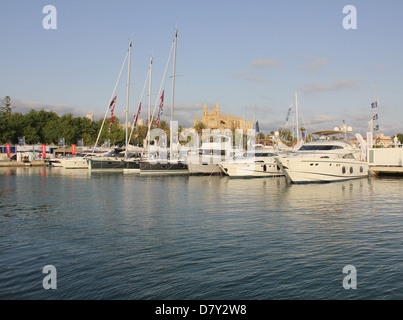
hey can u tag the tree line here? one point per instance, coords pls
(48, 127)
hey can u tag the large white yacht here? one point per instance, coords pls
(258, 162)
(331, 157)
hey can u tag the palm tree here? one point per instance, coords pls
(199, 126)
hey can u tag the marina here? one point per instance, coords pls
(117, 236)
(195, 156)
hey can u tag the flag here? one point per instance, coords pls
(43, 151)
(8, 150)
(288, 113)
(21, 141)
(374, 104)
(61, 142)
(257, 127)
(73, 149)
(80, 142)
(375, 116)
(136, 116)
(112, 105)
(160, 110)
(113, 101)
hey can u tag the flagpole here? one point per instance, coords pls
(372, 118)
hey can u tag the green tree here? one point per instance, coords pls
(199, 126)
(400, 137)
(6, 108)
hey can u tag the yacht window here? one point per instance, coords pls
(259, 154)
(264, 154)
(348, 156)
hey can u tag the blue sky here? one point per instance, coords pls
(249, 56)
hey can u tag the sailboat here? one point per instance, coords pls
(114, 160)
(132, 164)
(168, 164)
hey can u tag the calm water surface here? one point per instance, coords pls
(116, 236)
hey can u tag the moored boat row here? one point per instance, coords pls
(330, 157)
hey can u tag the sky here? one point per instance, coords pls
(251, 57)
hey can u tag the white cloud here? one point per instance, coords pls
(25, 106)
(316, 63)
(250, 76)
(315, 87)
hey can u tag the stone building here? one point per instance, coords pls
(216, 120)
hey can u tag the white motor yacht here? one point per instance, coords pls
(74, 162)
(258, 162)
(331, 157)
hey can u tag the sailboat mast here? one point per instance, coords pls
(127, 97)
(173, 92)
(296, 111)
(173, 79)
(149, 106)
(149, 89)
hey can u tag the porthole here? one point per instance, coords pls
(343, 169)
(361, 169)
(351, 170)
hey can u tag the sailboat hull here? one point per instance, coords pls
(131, 166)
(147, 167)
(106, 164)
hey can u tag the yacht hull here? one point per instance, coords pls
(300, 170)
(204, 168)
(74, 163)
(251, 169)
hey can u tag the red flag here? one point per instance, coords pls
(136, 116)
(160, 110)
(113, 101)
(113, 108)
(8, 150)
(73, 149)
(43, 151)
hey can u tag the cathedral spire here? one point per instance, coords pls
(217, 108)
(205, 109)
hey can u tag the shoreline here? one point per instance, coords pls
(19, 164)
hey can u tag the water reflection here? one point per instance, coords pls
(197, 237)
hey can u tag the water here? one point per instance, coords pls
(116, 236)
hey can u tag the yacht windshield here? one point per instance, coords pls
(319, 147)
(258, 154)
